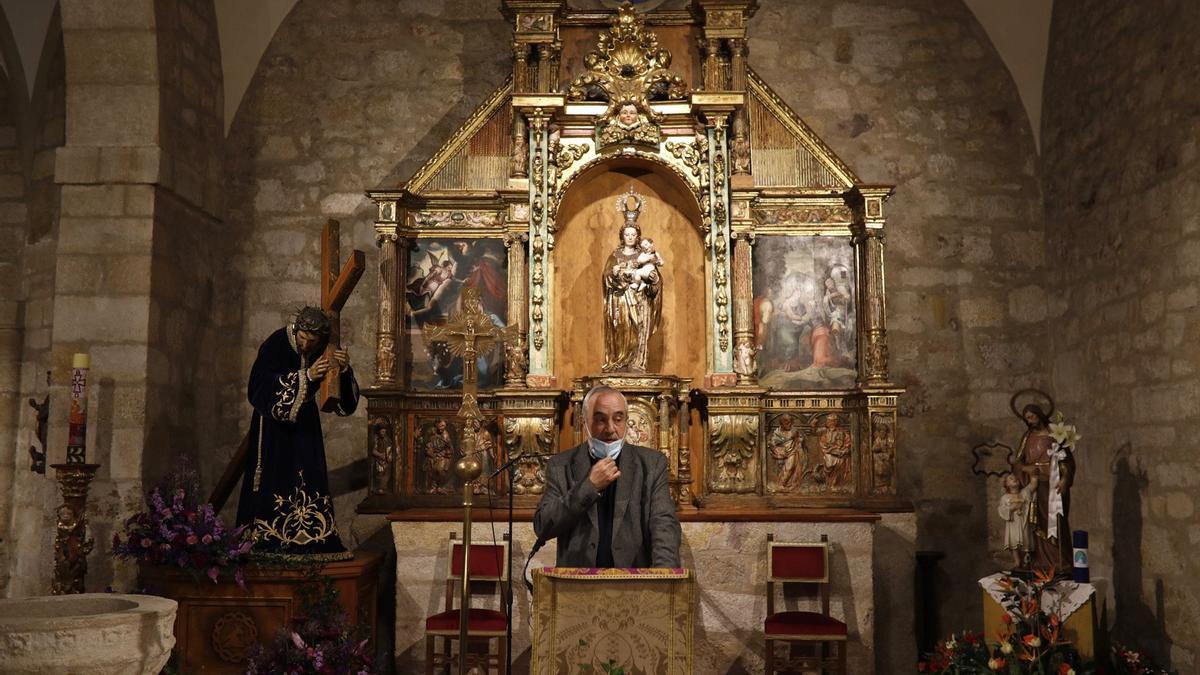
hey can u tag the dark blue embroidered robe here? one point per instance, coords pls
(285, 490)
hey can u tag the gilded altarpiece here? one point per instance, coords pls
(639, 151)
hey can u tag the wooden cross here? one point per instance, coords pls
(336, 286)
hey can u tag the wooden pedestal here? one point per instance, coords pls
(218, 623)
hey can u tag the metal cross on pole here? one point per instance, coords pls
(467, 333)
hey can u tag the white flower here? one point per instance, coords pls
(1064, 434)
(1006, 647)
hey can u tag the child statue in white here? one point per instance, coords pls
(1014, 509)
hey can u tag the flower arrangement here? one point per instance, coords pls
(1125, 661)
(1032, 641)
(176, 530)
(319, 640)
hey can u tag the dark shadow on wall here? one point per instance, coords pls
(1135, 625)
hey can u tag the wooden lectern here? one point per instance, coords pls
(637, 619)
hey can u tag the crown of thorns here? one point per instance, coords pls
(312, 320)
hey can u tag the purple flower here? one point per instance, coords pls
(212, 574)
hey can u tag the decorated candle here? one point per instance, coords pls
(77, 417)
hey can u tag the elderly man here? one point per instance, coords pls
(608, 503)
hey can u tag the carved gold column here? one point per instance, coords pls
(684, 498)
(546, 74)
(744, 363)
(712, 67)
(393, 255)
(517, 355)
(867, 203)
(737, 70)
(521, 66)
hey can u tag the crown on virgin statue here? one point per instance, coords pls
(631, 215)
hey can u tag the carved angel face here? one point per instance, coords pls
(628, 116)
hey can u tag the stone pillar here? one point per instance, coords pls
(743, 332)
(393, 252)
(517, 356)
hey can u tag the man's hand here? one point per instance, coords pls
(318, 369)
(604, 473)
(341, 358)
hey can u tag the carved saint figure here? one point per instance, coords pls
(883, 452)
(381, 456)
(834, 443)
(439, 456)
(633, 290)
(788, 454)
(1041, 462)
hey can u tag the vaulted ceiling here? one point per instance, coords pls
(1019, 29)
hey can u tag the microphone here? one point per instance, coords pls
(507, 465)
(537, 546)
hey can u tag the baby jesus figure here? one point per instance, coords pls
(1014, 509)
(648, 262)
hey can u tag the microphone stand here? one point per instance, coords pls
(509, 467)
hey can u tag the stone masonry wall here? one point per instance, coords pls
(348, 96)
(186, 283)
(33, 293)
(1122, 181)
(13, 225)
(911, 92)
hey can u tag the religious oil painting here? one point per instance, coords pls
(438, 270)
(809, 453)
(804, 312)
(437, 442)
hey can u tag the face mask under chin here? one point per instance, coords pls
(599, 449)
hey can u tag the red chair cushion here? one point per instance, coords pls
(803, 623)
(484, 620)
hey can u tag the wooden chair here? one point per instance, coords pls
(488, 564)
(807, 634)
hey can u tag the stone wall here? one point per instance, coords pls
(911, 92)
(1122, 184)
(13, 225)
(347, 97)
(32, 295)
(188, 288)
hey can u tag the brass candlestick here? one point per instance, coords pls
(71, 543)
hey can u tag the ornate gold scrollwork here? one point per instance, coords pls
(530, 439)
(732, 438)
(628, 65)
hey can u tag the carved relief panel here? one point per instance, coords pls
(810, 453)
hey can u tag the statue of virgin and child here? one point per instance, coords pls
(633, 293)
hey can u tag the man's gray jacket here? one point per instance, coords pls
(645, 529)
